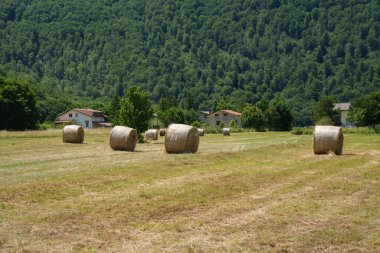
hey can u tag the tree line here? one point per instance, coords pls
(20, 110)
(225, 54)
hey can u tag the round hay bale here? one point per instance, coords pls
(226, 131)
(201, 132)
(123, 138)
(162, 132)
(73, 134)
(328, 139)
(181, 138)
(152, 134)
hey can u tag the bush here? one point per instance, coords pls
(362, 130)
(325, 121)
(196, 124)
(302, 131)
(45, 126)
(212, 130)
(233, 124)
(297, 131)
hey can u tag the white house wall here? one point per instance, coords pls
(224, 119)
(343, 119)
(80, 119)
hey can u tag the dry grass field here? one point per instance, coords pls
(248, 192)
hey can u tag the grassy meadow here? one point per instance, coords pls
(248, 192)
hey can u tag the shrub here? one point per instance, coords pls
(233, 124)
(196, 124)
(325, 121)
(297, 131)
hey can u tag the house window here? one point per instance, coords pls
(76, 114)
(217, 122)
(87, 123)
(70, 115)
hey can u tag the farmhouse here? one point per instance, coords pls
(87, 118)
(343, 109)
(203, 116)
(224, 117)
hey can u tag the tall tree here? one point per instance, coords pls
(113, 110)
(253, 117)
(17, 105)
(370, 106)
(279, 116)
(135, 110)
(325, 109)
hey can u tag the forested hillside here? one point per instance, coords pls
(208, 54)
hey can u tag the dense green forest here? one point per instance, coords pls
(207, 54)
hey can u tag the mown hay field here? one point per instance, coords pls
(247, 192)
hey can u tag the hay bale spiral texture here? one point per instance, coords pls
(152, 134)
(181, 138)
(73, 134)
(201, 132)
(226, 131)
(162, 132)
(328, 139)
(123, 138)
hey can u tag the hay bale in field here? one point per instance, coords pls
(181, 138)
(162, 132)
(152, 134)
(327, 139)
(73, 134)
(123, 138)
(226, 131)
(201, 132)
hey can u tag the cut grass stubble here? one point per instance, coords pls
(254, 192)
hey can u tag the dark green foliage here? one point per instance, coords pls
(208, 55)
(325, 121)
(297, 131)
(51, 107)
(356, 115)
(113, 110)
(135, 110)
(171, 115)
(196, 124)
(324, 113)
(279, 117)
(369, 106)
(253, 117)
(18, 108)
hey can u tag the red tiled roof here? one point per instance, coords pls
(232, 112)
(88, 112)
(342, 106)
(228, 112)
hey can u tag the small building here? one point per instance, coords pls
(224, 117)
(343, 108)
(203, 116)
(87, 118)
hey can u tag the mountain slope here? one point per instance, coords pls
(222, 53)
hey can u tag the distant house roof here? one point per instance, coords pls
(89, 112)
(228, 112)
(342, 106)
(206, 112)
(86, 111)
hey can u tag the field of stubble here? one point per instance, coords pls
(248, 192)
